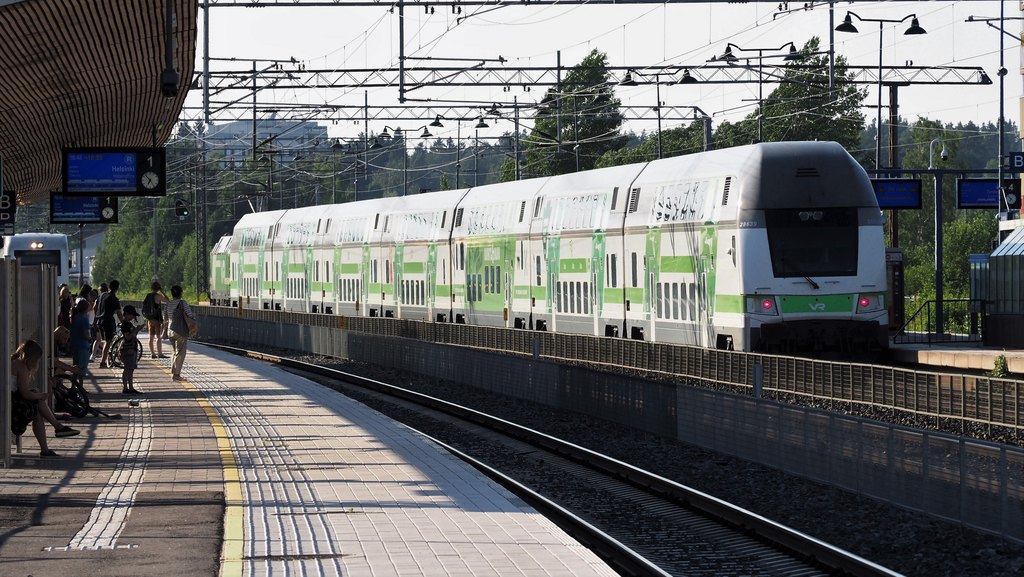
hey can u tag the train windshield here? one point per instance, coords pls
(32, 257)
(812, 242)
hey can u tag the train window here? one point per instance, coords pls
(373, 271)
(376, 221)
(387, 271)
(615, 196)
(497, 280)
(675, 301)
(327, 269)
(487, 279)
(522, 255)
(536, 207)
(634, 265)
(692, 301)
(538, 271)
(812, 242)
(615, 270)
(586, 298)
(682, 301)
(444, 218)
(571, 305)
(558, 297)
(462, 255)
(444, 271)
(658, 299)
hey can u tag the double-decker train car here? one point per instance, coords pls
(772, 246)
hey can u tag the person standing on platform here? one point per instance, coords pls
(97, 334)
(130, 349)
(81, 336)
(28, 405)
(152, 309)
(108, 315)
(174, 314)
(65, 303)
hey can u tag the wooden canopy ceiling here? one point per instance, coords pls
(76, 73)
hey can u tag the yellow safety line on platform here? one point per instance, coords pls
(231, 553)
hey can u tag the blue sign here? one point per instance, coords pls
(897, 193)
(114, 172)
(984, 193)
(82, 209)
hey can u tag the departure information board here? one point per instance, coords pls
(101, 171)
(82, 209)
(897, 193)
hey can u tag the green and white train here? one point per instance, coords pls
(773, 246)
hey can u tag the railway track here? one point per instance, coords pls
(641, 523)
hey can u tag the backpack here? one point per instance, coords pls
(149, 308)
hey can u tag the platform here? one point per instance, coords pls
(245, 469)
(958, 356)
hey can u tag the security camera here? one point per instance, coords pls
(169, 82)
(944, 155)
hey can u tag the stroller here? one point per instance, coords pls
(70, 397)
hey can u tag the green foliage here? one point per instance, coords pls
(581, 123)
(801, 107)
(1000, 368)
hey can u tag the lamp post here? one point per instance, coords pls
(405, 151)
(914, 29)
(730, 58)
(268, 157)
(629, 81)
(1002, 75)
(938, 231)
(334, 169)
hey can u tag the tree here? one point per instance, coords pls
(801, 106)
(581, 121)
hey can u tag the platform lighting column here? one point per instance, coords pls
(334, 170)
(914, 29)
(937, 180)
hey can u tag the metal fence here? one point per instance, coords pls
(972, 482)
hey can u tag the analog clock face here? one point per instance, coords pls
(107, 212)
(150, 180)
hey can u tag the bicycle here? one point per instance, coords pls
(114, 357)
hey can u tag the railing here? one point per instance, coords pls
(950, 321)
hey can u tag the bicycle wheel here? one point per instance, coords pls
(114, 357)
(70, 398)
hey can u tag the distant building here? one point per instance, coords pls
(89, 246)
(283, 138)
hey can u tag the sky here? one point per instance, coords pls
(641, 36)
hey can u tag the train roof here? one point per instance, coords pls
(813, 172)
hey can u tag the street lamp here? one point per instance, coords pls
(334, 169)
(938, 231)
(405, 150)
(729, 58)
(914, 29)
(1002, 75)
(268, 157)
(628, 81)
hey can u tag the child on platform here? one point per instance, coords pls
(129, 350)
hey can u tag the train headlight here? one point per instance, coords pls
(869, 303)
(762, 305)
(36, 245)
